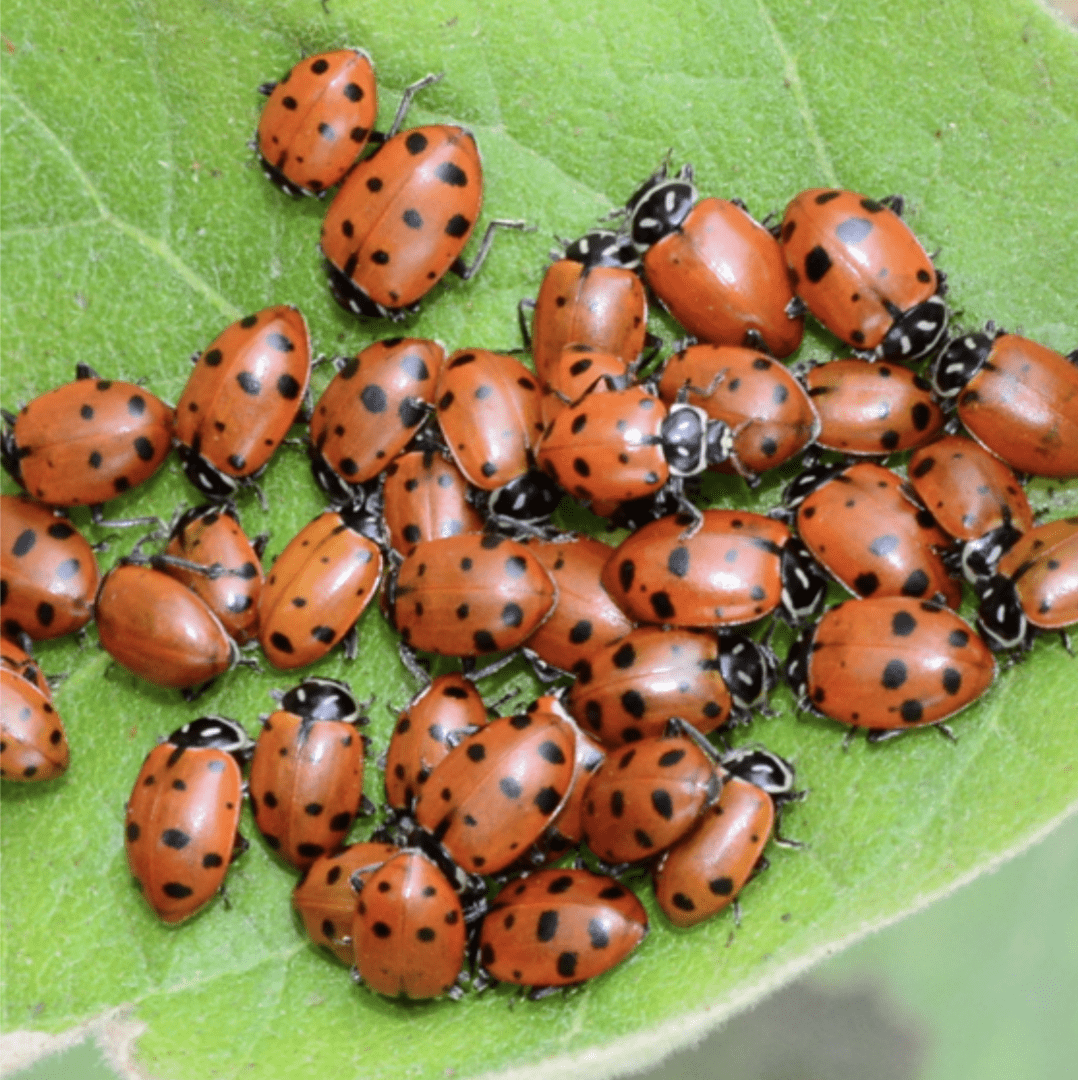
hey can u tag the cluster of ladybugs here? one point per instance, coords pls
(442, 473)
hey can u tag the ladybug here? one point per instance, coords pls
(425, 497)
(770, 417)
(1017, 398)
(557, 928)
(48, 572)
(736, 568)
(409, 931)
(162, 631)
(888, 664)
(585, 618)
(579, 370)
(307, 771)
(714, 268)
(211, 538)
(436, 719)
(974, 497)
(707, 868)
(317, 120)
(1035, 587)
(868, 535)
(15, 657)
(326, 900)
(245, 392)
(870, 408)
(183, 816)
(647, 796)
(493, 795)
(854, 263)
(591, 296)
(318, 588)
(369, 411)
(33, 743)
(87, 442)
(468, 595)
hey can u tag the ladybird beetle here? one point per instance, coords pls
(558, 928)
(16, 658)
(158, 628)
(854, 263)
(715, 269)
(591, 296)
(770, 416)
(87, 441)
(183, 816)
(1017, 398)
(889, 663)
(736, 568)
(646, 796)
(707, 868)
(585, 618)
(436, 719)
(425, 497)
(1035, 587)
(973, 496)
(317, 120)
(872, 408)
(212, 538)
(245, 392)
(408, 931)
(468, 595)
(865, 532)
(306, 779)
(495, 792)
(579, 370)
(33, 743)
(369, 411)
(318, 588)
(48, 572)
(326, 900)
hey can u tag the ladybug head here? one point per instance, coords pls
(749, 669)
(804, 583)
(916, 332)
(999, 615)
(797, 662)
(959, 362)
(601, 247)
(685, 441)
(761, 767)
(807, 481)
(979, 557)
(337, 489)
(209, 480)
(9, 449)
(207, 513)
(364, 514)
(319, 698)
(212, 733)
(531, 497)
(659, 208)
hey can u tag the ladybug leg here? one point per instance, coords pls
(946, 732)
(466, 272)
(796, 308)
(524, 305)
(850, 736)
(98, 518)
(267, 88)
(1065, 638)
(366, 807)
(413, 664)
(1071, 356)
(878, 735)
(239, 845)
(406, 99)
(475, 674)
(350, 643)
(544, 672)
(84, 371)
(894, 203)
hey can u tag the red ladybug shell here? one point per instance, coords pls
(242, 397)
(560, 927)
(402, 217)
(1043, 565)
(21, 663)
(891, 663)
(854, 262)
(705, 870)
(494, 793)
(408, 931)
(181, 824)
(722, 276)
(872, 408)
(608, 446)
(645, 797)
(317, 120)
(601, 307)
(90, 440)
(33, 744)
(968, 491)
(765, 407)
(159, 629)
(49, 572)
(488, 410)
(578, 371)
(426, 498)
(326, 900)
(872, 539)
(630, 689)
(585, 618)
(468, 595)
(212, 536)
(316, 590)
(726, 574)
(434, 721)
(373, 405)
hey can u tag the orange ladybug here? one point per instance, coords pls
(33, 743)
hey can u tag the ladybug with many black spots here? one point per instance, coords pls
(33, 743)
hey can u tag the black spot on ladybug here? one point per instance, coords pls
(643, 839)
(757, 592)
(476, 752)
(353, 91)
(248, 383)
(457, 226)
(331, 879)
(894, 674)
(324, 634)
(817, 263)
(721, 886)
(348, 466)
(416, 142)
(678, 562)
(374, 399)
(237, 461)
(133, 832)
(567, 965)
(45, 613)
(625, 657)
(903, 624)
(288, 387)
(515, 566)
(484, 641)
(488, 469)
(413, 219)
(326, 132)
(633, 703)
(211, 860)
(87, 412)
(380, 929)
(924, 276)
(380, 257)
(313, 809)
(547, 926)
(664, 805)
(340, 822)
(175, 838)
(958, 639)
(310, 851)
(626, 573)
(581, 632)
(916, 584)
(921, 415)
(952, 680)
(374, 184)
(280, 642)
(911, 711)
(512, 615)
(451, 174)
(179, 785)
(857, 336)
(662, 605)
(593, 714)
(889, 439)
(175, 890)
(24, 542)
(547, 800)
(682, 902)
(550, 751)
(94, 460)
(60, 530)
(882, 546)
(510, 787)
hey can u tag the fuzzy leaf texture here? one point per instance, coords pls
(136, 225)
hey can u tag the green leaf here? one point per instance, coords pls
(136, 224)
